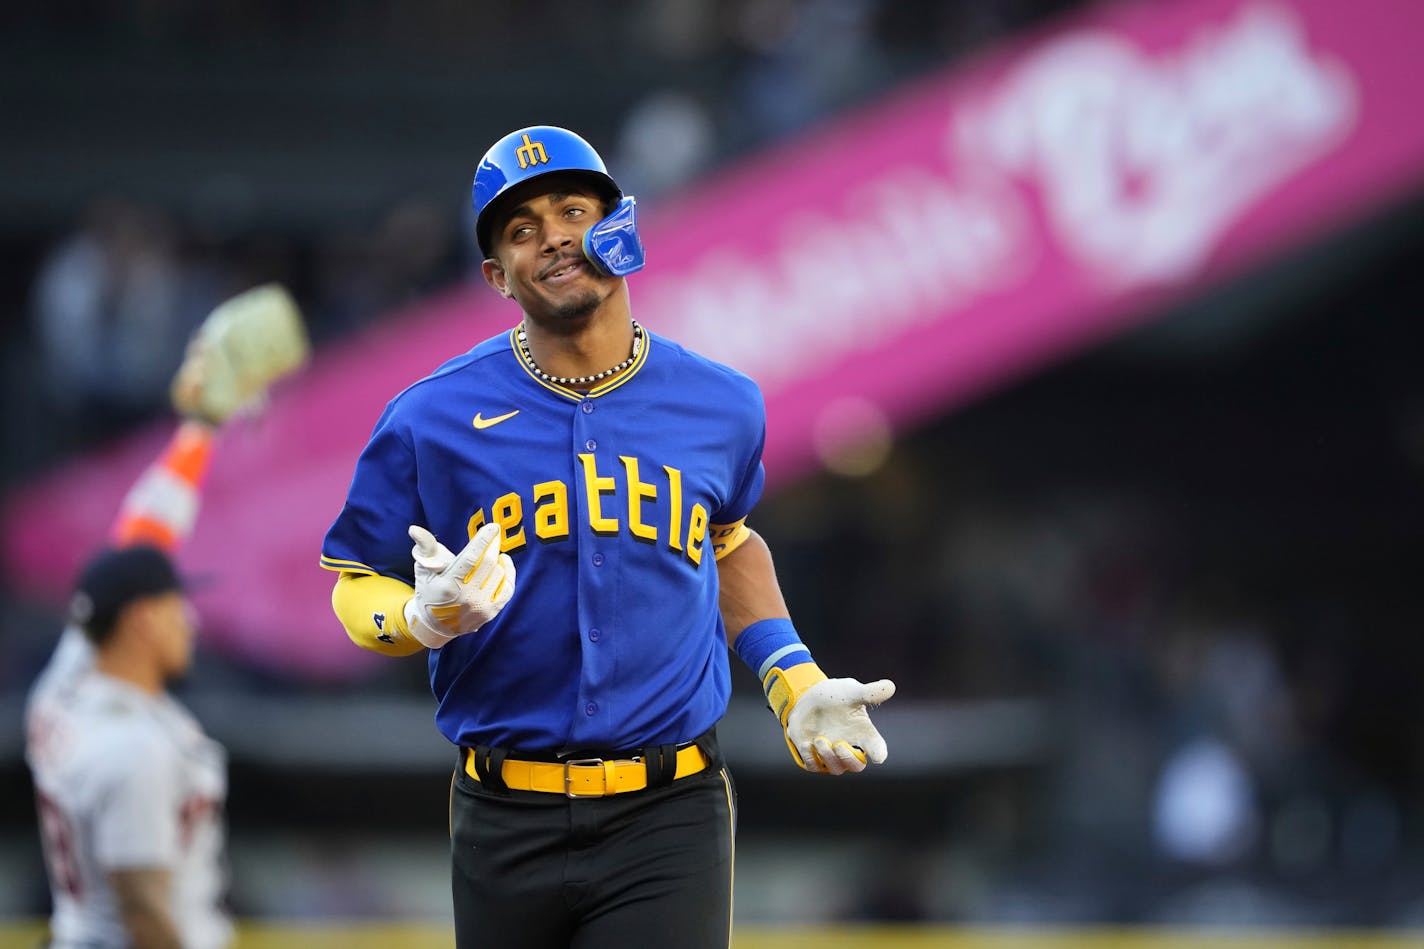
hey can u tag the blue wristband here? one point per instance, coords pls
(769, 643)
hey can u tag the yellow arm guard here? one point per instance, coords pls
(783, 687)
(372, 608)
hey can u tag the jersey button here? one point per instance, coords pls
(593, 635)
(591, 708)
(587, 406)
(598, 560)
(590, 444)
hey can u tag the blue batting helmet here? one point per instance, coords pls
(612, 244)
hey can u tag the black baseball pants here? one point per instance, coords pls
(532, 870)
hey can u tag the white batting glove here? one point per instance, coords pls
(828, 726)
(456, 593)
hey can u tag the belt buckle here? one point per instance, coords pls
(569, 791)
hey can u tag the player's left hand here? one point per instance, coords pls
(829, 730)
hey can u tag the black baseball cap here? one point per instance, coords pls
(115, 577)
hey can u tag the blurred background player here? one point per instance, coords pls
(616, 470)
(129, 788)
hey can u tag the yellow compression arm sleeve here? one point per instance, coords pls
(372, 608)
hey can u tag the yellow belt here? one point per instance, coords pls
(588, 777)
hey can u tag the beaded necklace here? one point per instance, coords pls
(523, 340)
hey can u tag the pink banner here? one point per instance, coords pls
(873, 274)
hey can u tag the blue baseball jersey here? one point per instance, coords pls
(609, 503)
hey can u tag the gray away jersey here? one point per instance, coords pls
(124, 780)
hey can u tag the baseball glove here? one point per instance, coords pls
(246, 343)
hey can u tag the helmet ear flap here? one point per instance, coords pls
(613, 245)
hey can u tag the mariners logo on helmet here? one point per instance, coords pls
(531, 153)
(612, 245)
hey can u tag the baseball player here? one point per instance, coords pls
(129, 788)
(576, 492)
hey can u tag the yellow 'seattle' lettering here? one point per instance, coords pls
(638, 491)
(689, 531)
(696, 533)
(595, 486)
(674, 507)
(551, 512)
(508, 513)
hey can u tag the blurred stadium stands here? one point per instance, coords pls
(1153, 607)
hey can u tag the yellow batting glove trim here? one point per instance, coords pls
(446, 616)
(821, 764)
(372, 610)
(726, 538)
(860, 755)
(783, 688)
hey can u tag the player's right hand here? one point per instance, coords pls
(456, 593)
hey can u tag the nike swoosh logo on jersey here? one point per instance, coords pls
(487, 422)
